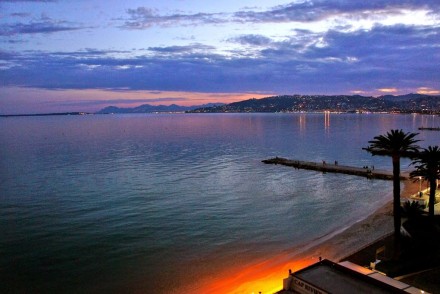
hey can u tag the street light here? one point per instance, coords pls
(420, 186)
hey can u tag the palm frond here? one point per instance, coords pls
(394, 142)
(427, 163)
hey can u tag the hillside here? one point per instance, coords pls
(339, 103)
(147, 108)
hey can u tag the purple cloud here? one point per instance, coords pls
(182, 49)
(44, 26)
(314, 10)
(255, 40)
(331, 62)
(143, 17)
(20, 14)
(307, 11)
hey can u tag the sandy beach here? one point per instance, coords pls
(361, 234)
(267, 276)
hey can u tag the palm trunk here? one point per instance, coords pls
(396, 203)
(432, 189)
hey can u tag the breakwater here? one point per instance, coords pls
(368, 172)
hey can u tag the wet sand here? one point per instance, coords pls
(267, 276)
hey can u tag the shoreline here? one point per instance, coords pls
(268, 276)
(377, 225)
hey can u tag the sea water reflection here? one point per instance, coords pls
(137, 202)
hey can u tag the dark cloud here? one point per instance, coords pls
(7, 56)
(14, 41)
(44, 26)
(385, 41)
(314, 10)
(182, 49)
(399, 55)
(20, 14)
(88, 53)
(306, 62)
(307, 11)
(143, 17)
(255, 40)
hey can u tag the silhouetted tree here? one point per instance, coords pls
(396, 144)
(427, 164)
(412, 209)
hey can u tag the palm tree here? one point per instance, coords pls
(427, 164)
(412, 209)
(396, 144)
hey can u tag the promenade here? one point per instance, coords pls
(369, 172)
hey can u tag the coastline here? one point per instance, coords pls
(374, 227)
(268, 275)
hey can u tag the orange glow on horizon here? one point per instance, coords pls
(38, 100)
(179, 97)
(130, 98)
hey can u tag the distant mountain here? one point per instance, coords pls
(147, 108)
(340, 103)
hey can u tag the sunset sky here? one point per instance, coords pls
(84, 55)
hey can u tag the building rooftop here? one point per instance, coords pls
(329, 277)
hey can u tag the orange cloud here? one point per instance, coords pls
(357, 92)
(387, 90)
(427, 91)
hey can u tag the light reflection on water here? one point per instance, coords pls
(136, 202)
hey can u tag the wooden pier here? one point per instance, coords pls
(336, 168)
(429, 129)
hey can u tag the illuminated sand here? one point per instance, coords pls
(267, 276)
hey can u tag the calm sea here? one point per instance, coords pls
(153, 203)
